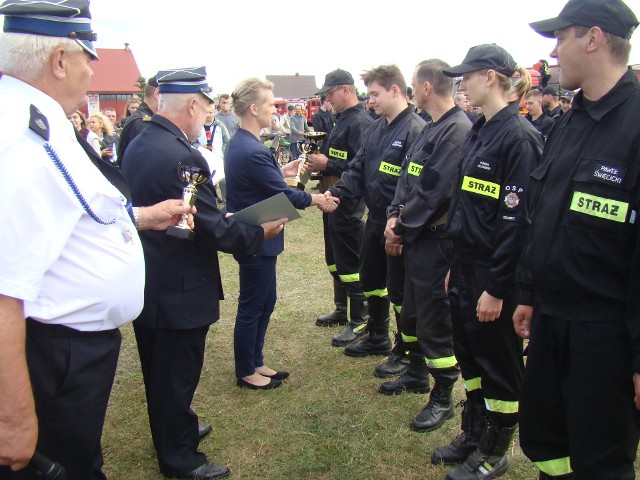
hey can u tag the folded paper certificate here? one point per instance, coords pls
(216, 165)
(268, 210)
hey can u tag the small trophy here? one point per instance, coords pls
(193, 176)
(308, 146)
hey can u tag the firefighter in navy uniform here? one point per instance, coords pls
(373, 175)
(487, 228)
(139, 119)
(580, 272)
(343, 228)
(424, 188)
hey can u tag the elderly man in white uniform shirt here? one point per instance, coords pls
(71, 262)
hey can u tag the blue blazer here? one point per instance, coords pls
(253, 175)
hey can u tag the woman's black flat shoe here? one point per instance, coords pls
(272, 384)
(277, 375)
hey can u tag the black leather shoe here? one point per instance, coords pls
(277, 375)
(204, 429)
(272, 384)
(207, 471)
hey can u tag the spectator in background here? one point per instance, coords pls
(323, 119)
(216, 135)
(542, 122)
(550, 102)
(565, 101)
(102, 137)
(111, 114)
(285, 121)
(139, 119)
(299, 126)
(461, 101)
(79, 122)
(132, 105)
(226, 116)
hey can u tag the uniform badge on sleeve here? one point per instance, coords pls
(512, 198)
(38, 122)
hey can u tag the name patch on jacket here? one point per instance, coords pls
(390, 169)
(414, 169)
(481, 187)
(485, 165)
(340, 154)
(609, 174)
(600, 207)
(397, 144)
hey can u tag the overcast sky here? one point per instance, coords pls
(243, 38)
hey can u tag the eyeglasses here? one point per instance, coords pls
(332, 90)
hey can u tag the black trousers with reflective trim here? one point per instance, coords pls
(342, 241)
(71, 375)
(490, 351)
(577, 397)
(379, 271)
(426, 313)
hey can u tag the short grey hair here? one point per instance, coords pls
(24, 56)
(249, 92)
(174, 103)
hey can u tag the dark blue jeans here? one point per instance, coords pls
(255, 305)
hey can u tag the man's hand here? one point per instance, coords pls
(446, 281)
(636, 386)
(18, 422)
(389, 232)
(325, 202)
(164, 214)
(488, 308)
(106, 152)
(317, 162)
(522, 321)
(271, 229)
(291, 168)
(393, 249)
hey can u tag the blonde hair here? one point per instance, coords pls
(107, 126)
(24, 56)
(249, 92)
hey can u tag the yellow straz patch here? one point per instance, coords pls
(341, 154)
(599, 207)
(481, 187)
(390, 169)
(414, 169)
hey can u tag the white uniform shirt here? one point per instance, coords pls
(66, 267)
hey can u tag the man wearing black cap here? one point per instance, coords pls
(550, 102)
(183, 287)
(139, 119)
(75, 269)
(580, 273)
(343, 228)
(373, 175)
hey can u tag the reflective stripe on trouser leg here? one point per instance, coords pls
(349, 277)
(501, 406)
(555, 468)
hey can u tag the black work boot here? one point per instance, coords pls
(490, 458)
(566, 476)
(439, 408)
(376, 343)
(357, 326)
(339, 315)
(415, 379)
(397, 363)
(473, 422)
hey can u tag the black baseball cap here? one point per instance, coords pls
(335, 79)
(566, 96)
(153, 82)
(488, 56)
(612, 16)
(550, 91)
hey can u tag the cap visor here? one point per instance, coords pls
(323, 90)
(547, 28)
(88, 46)
(209, 95)
(459, 70)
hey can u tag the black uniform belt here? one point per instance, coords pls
(39, 328)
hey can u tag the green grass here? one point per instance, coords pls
(326, 422)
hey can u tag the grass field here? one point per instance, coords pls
(326, 422)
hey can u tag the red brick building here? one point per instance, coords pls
(114, 80)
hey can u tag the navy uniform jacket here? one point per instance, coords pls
(428, 174)
(133, 125)
(374, 172)
(182, 277)
(583, 252)
(253, 175)
(486, 218)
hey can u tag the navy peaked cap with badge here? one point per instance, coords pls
(184, 80)
(52, 18)
(612, 16)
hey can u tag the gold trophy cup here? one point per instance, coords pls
(193, 176)
(308, 146)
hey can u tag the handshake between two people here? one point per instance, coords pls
(325, 201)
